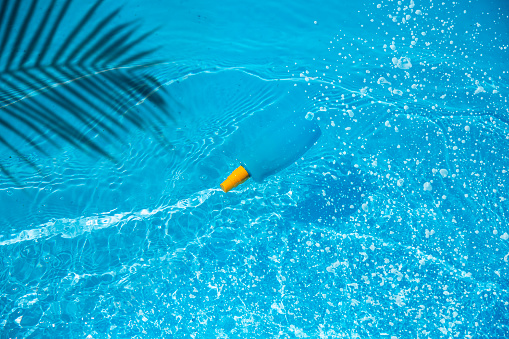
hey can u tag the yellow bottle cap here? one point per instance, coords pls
(236, 178)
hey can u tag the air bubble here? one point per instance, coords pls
(402, 63)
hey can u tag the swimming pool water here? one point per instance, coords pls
(394, 225)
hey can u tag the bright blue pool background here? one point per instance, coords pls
(393, 225)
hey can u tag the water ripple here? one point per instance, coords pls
(71, 228)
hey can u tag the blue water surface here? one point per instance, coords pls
(393, 225)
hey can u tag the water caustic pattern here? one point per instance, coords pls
(394, 225)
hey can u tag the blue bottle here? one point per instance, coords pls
(273, 149)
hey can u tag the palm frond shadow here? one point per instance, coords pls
(68, 78)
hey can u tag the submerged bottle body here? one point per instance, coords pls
(273, 149)
(279, 147)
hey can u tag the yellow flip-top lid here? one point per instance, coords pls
(236, 178)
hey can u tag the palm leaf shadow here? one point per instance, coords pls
(68, 78)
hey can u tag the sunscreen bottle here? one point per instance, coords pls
(272, 150)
